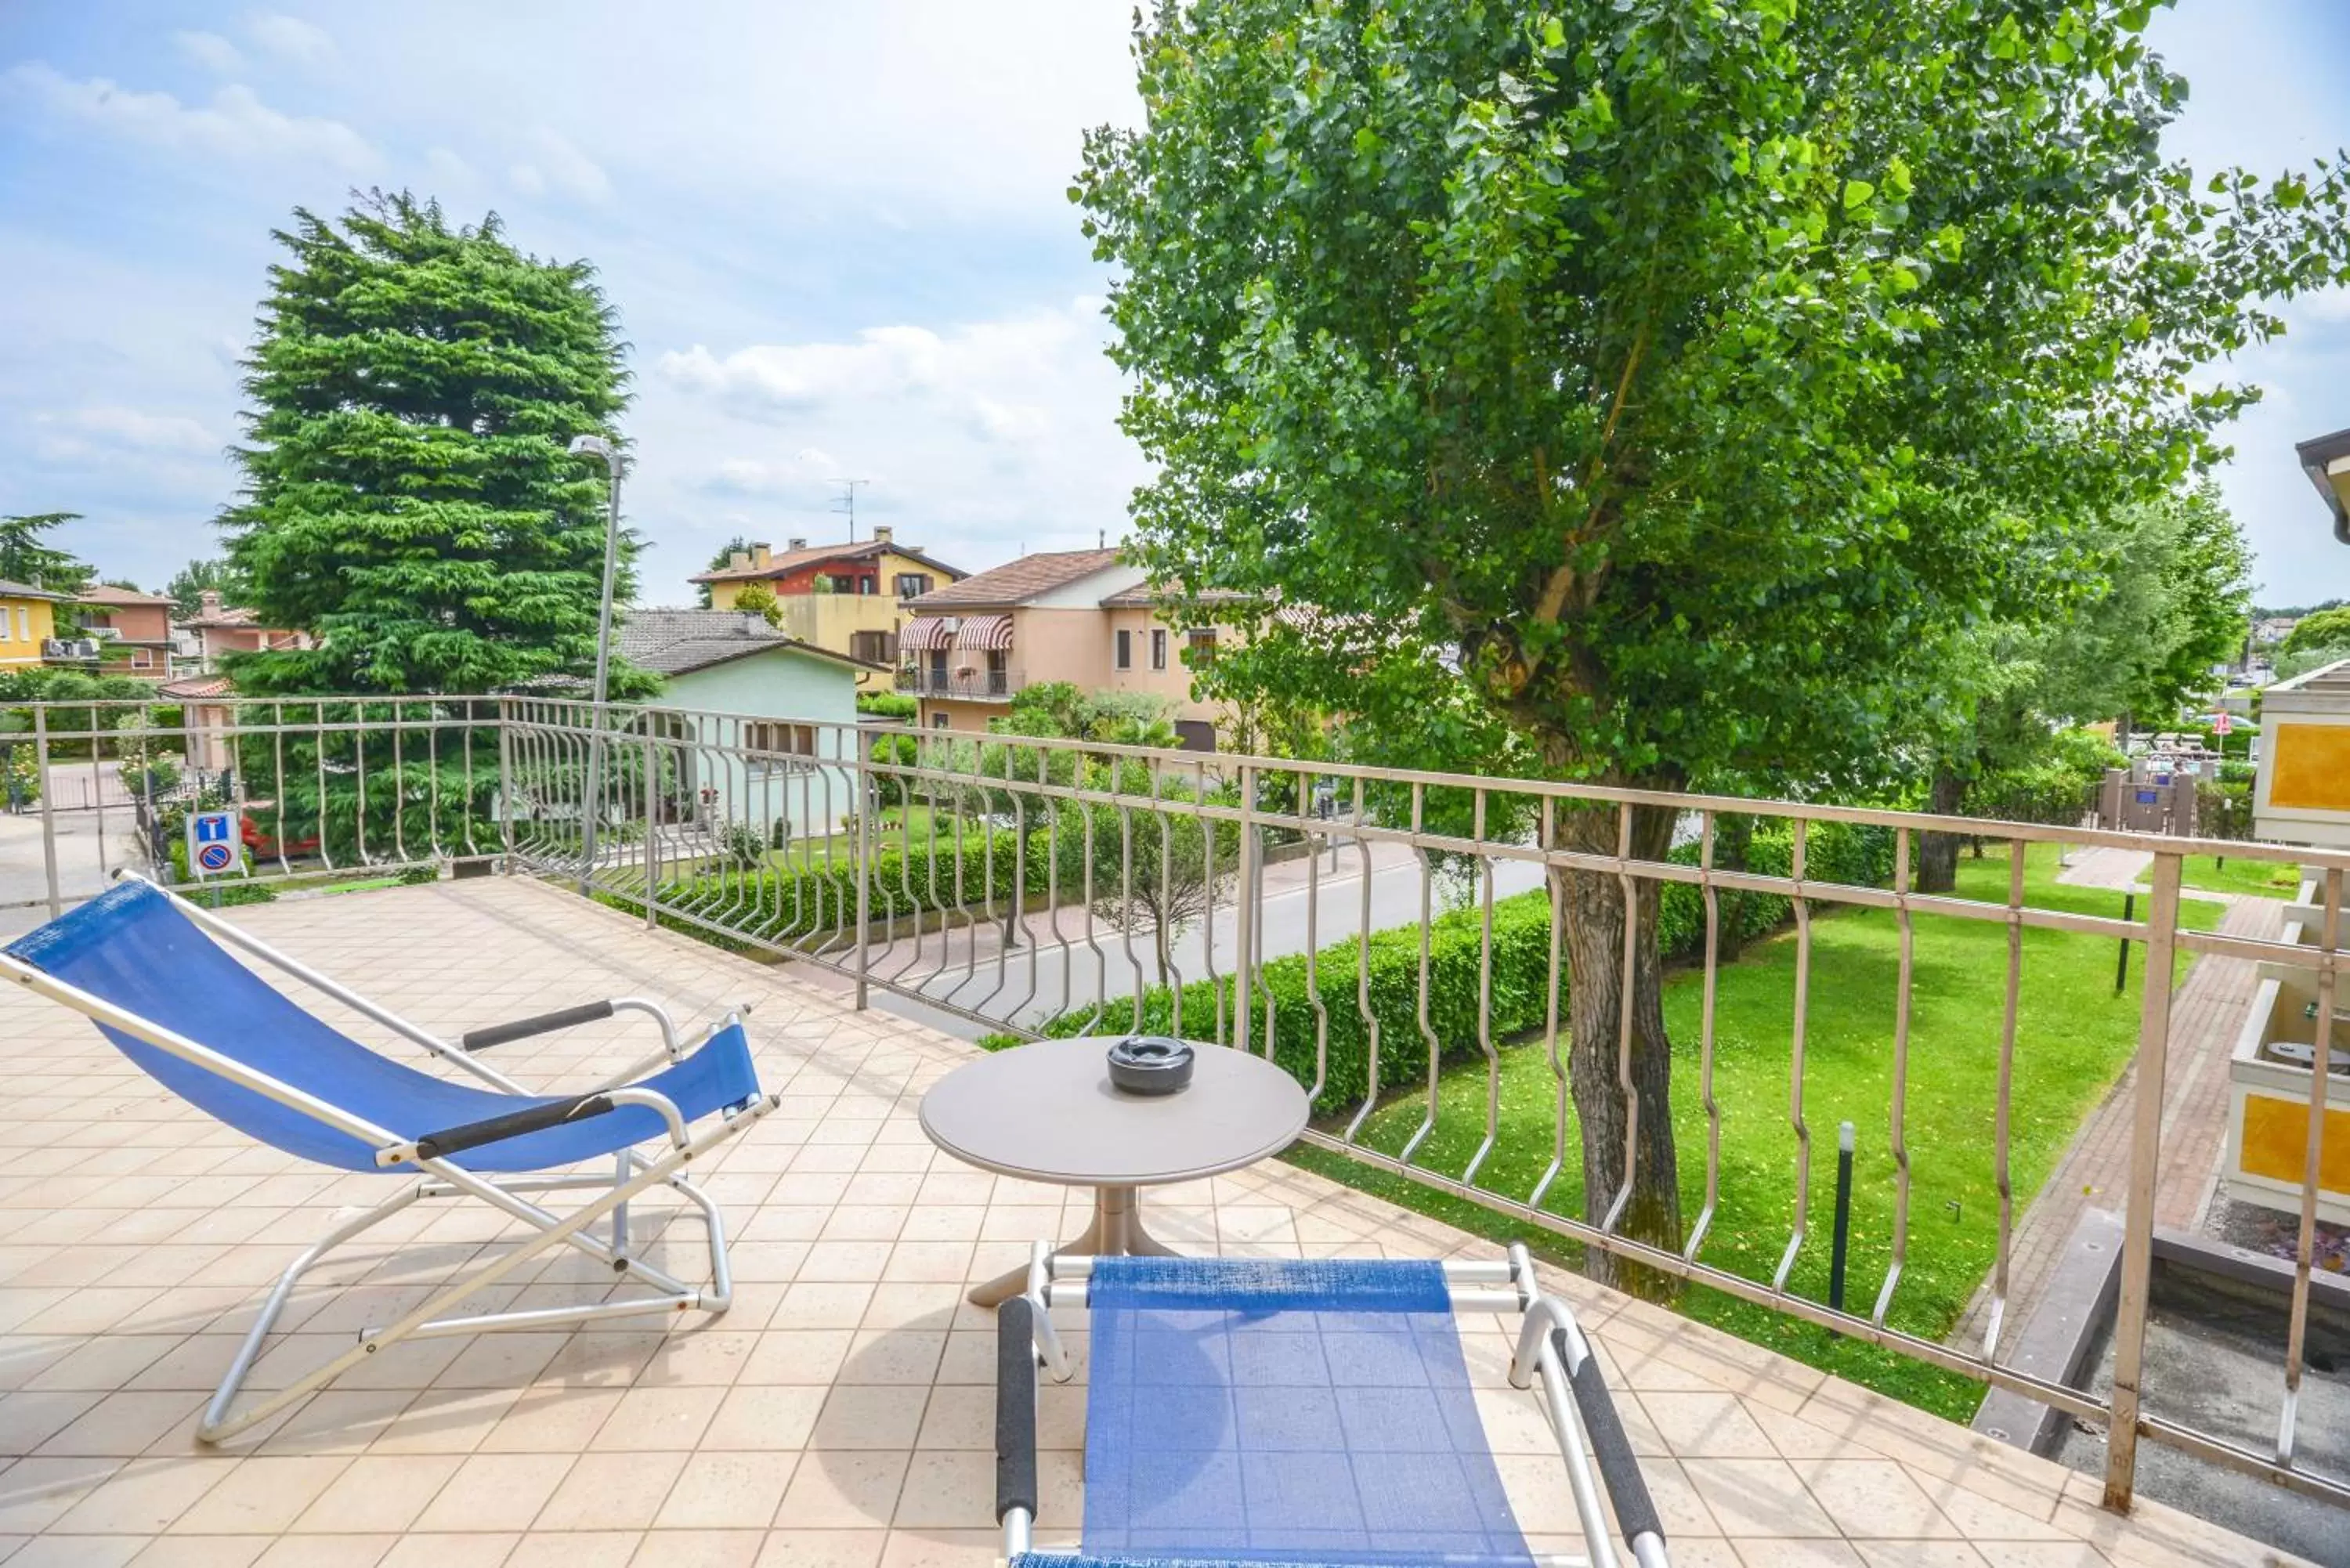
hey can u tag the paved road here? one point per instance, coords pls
(1048, 970)
(84, 861)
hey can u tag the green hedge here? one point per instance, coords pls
(779, 900)
(1520, 968)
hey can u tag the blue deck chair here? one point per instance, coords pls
(1311, 1414)
(151, 971)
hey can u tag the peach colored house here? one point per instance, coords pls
(220, 630)
(1080, 616)
(141, 628)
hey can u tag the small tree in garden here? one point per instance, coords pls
(759, 599)
(1678, 378)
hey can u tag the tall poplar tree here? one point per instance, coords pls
(409, 500)
(1682, 374)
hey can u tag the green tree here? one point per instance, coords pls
(759, 599)
(2324, 628)
(719, 561)
(409, 500)
(2160, 599)
(188, 585)
(25, 558)
(1679, 374)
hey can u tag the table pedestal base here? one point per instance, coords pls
(1115, 1231)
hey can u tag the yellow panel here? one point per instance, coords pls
(2310, 769)
(2276, 1137)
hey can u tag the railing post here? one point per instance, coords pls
(1245, 910)
(865, 796)
(505, 785)
(652, 824)
(48, 814)
(2145, 1152)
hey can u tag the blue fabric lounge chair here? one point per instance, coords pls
(150, 970)
(1311, 1414)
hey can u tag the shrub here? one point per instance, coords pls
(775, 902)
(895, 705)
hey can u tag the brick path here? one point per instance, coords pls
(2206, 1013)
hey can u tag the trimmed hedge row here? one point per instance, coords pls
(1520, 968)
(778, 900)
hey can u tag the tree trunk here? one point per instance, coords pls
(1938, 853)
(1593, 905)
(1732, 836)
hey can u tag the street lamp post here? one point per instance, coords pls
(592, 801)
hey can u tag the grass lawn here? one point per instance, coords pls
(2263, 879)
(2073, 1036)
(889, 832)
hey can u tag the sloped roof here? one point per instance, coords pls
(227, 618)
(191, 686)
(9, 590)
(680, 641)
(1016, 582)
(107, 594)
(789, 561)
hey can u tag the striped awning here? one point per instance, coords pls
(985, 633)
(924, 633)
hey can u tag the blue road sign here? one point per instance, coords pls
(212, 848)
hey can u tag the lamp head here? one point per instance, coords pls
(591, 446)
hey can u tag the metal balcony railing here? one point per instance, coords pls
(961, 685)
(1403, 941)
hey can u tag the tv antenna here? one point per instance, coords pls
(847, 502)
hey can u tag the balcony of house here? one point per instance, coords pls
(982, 683)
(846, 1405)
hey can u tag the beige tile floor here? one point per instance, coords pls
(841, 1414)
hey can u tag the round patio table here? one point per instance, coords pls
(1048, 1112)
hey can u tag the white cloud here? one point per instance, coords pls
(292, 39)
(212, 51)
(235, 125)
(978, 374)
(112, 426)
(556, 164)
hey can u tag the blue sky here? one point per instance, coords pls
(836, 234)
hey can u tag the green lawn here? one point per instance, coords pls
(2073, 1038)
(2262, 878)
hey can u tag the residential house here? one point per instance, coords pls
(205, 725)
(133, 630)
(28, 625)
(850, 599)
(1080, 616)
(2326, 460)
(220, 630)
(768, 717)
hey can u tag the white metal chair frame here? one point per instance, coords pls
(633, 1173)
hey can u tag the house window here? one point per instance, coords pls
(1199, 649)
(938, 721)
(868, 585)
(770, 737)
(1124, 649)
(913, 585)
(842, 582)
(873, 647)
(140, 658)
(1158, 647)
(24, 624)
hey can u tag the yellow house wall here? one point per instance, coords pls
(38, 619)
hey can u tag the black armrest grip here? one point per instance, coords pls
(537, 1119)
(1628, 1489)
(524, 1028)
(1015, 1408)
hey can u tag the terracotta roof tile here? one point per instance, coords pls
(1017, 581)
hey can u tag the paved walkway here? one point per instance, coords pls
(841, 1414)
(2206, 1014)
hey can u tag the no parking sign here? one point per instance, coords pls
(213, 846)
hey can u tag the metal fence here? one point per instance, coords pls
(1401, 940)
